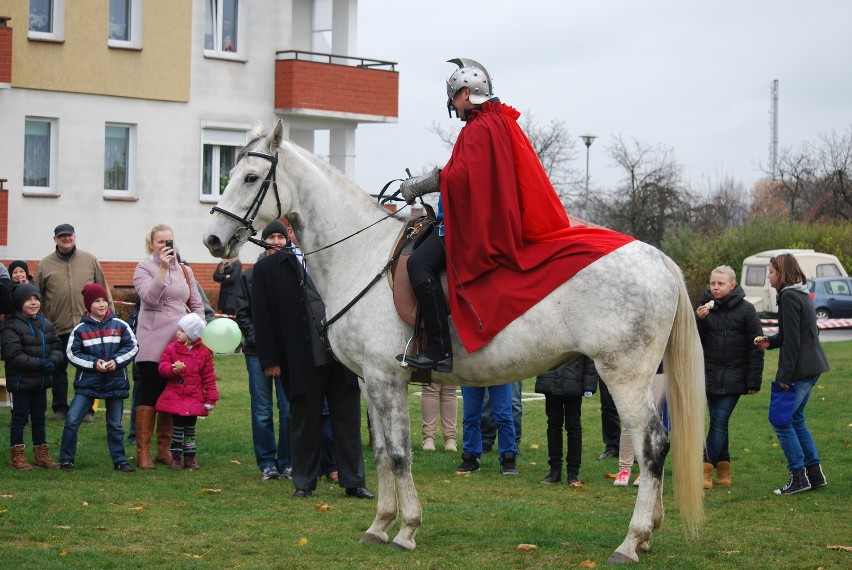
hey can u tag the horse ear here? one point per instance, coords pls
(257, 131)
(277, 135)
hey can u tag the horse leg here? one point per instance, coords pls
(651, 446)
(392, 450)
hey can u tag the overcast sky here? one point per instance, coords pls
(694, 77)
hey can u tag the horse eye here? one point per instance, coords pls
(251, 178)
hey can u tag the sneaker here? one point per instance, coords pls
(508, 466)
(555, 476)
(450, 445)
(89, 419)
(574, 480)
(622, 479)
(798, 482)
(124, 467)
(607, 454)
(286, 473)
(428, 444)
(66, 466)
(816, 476)
(636, 481)
(270, 473)
(469, 464)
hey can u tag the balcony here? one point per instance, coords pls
(340, 89)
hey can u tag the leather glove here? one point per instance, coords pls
(419, 185)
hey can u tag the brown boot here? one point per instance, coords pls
(19, 460)
(164, 438)
(175, 460)
(723, 473)
(708, 475)
(144, 429)
(42, 457)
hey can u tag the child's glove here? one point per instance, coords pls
(48, 364)
(209, 407)
(587, 394)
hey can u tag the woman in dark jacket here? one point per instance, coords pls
(31, 350)
(801, 360)
(563, 390)
(227, 275)
(733, 365)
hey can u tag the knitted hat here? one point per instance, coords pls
(274, 227)
(23, 292)
(192, 325)
(92, 292)
(19, 263)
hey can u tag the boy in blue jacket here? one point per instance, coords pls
(101, 347)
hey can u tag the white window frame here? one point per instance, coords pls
(135, 41)
(51, 189)
(218, 134)
(57, 34)
(130, 193)
(217, 52)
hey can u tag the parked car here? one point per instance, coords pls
(832, 297)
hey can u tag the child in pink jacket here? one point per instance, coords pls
(191, 388)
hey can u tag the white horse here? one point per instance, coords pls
(628, 311)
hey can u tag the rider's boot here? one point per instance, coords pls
(439, 353)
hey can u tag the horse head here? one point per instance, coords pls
(254, 195)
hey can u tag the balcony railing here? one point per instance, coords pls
(335, 59)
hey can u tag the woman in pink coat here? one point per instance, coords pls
(167, 291)
(191, 388)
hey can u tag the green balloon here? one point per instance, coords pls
(222, 335)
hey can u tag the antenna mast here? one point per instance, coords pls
(773, 130)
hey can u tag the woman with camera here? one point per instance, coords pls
(167, 291)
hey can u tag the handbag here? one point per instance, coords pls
(188, 284)
(781, 405)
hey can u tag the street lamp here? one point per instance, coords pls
(588, 140)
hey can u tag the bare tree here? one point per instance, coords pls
(651, 197)
(725, 206)
(834, 157)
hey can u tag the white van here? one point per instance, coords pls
(755, 276)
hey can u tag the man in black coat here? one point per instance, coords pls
(286, 312)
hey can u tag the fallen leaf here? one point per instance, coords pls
(446, 480)
(462, 473)
(139, 508)
(101, 528)
(214, 491)
(588, 564)
(726, 551)
(188, 555)
(7, 496)
(609, 475)
(63, 553)
(838, 547)
(64, 526)
(534, 446)
(85, 504)
(4, 511)
(533, 463)
(577, 484)
(775, 444)
(747, 450)
(303, 541)
(526, 547)
(322, 506)
(235, 462)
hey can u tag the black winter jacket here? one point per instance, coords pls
(732, 363)
(571, 379)
(26, 344)
(801, 354)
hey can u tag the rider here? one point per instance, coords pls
(495, 188)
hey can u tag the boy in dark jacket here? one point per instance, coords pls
(101, 347)
(563, 390)
(31, 351)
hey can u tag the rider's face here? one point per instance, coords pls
(277, 241)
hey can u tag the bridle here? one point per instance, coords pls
(248, 231)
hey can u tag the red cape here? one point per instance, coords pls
(509, 242)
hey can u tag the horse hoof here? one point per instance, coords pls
(401, 547)
(619, 558)
(645, 546)
(370, 538)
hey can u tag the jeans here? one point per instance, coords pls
(262, 422)
(721, 408)
(489, 428)
(501, 408)
(795, 439)
(80, 406)
(29, 405)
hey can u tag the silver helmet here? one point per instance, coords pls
(470, 74)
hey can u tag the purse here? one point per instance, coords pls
(781, 405)
(188, 284)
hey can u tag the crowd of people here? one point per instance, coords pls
(64, 314)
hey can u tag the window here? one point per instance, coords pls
(755, 275)
(220, 145)
(47, 20)
(40, 155)
(125, 24)
(827, 270)
(222, 28)
(119, 160)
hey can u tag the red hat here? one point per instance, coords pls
(93, 291)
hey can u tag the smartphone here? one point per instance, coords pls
(170, 244)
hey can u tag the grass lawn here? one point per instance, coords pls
(224, 516)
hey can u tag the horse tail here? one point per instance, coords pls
(683, 365)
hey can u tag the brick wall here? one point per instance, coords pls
(5, 51)
(336, 88)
